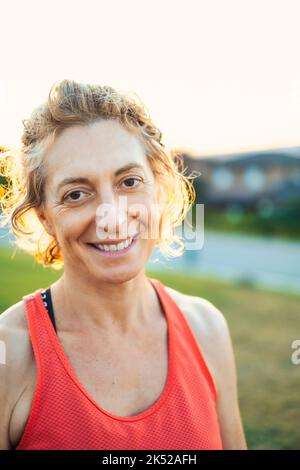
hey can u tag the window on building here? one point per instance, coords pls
(254, 178)
(222, 178)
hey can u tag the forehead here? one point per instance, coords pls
(102, 145)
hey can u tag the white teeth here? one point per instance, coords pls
(116, 247)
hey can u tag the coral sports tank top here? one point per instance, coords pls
(64, 416)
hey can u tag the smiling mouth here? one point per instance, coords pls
(114, 248)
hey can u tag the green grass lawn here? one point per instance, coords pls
(263, 325)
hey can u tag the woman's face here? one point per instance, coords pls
(96, 176)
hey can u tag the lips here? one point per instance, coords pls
(114, 249)
(114, 242)
(113, 252)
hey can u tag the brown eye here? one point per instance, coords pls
(74, 195)
(131, 182)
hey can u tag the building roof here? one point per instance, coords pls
(281, 155)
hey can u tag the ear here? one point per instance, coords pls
(41, 214)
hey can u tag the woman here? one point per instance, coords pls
(106, 357)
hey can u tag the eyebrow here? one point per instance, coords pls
(81, 179)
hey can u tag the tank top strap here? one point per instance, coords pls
(184, 335)
(34, 320)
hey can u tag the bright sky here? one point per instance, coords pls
(216, 75)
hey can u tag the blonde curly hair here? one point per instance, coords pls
(22, 171)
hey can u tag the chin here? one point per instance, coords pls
(118, 274)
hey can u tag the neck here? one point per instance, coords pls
(108, 306)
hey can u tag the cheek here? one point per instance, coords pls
(70, 225)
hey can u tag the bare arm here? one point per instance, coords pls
(13, 371)
(4, 396)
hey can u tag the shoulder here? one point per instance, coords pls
(203, 315)
(13, 330)
(14, 335)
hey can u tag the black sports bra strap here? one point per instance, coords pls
(47, 299)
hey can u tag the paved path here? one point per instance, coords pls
(266, 262)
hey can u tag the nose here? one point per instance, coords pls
(112, 219)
